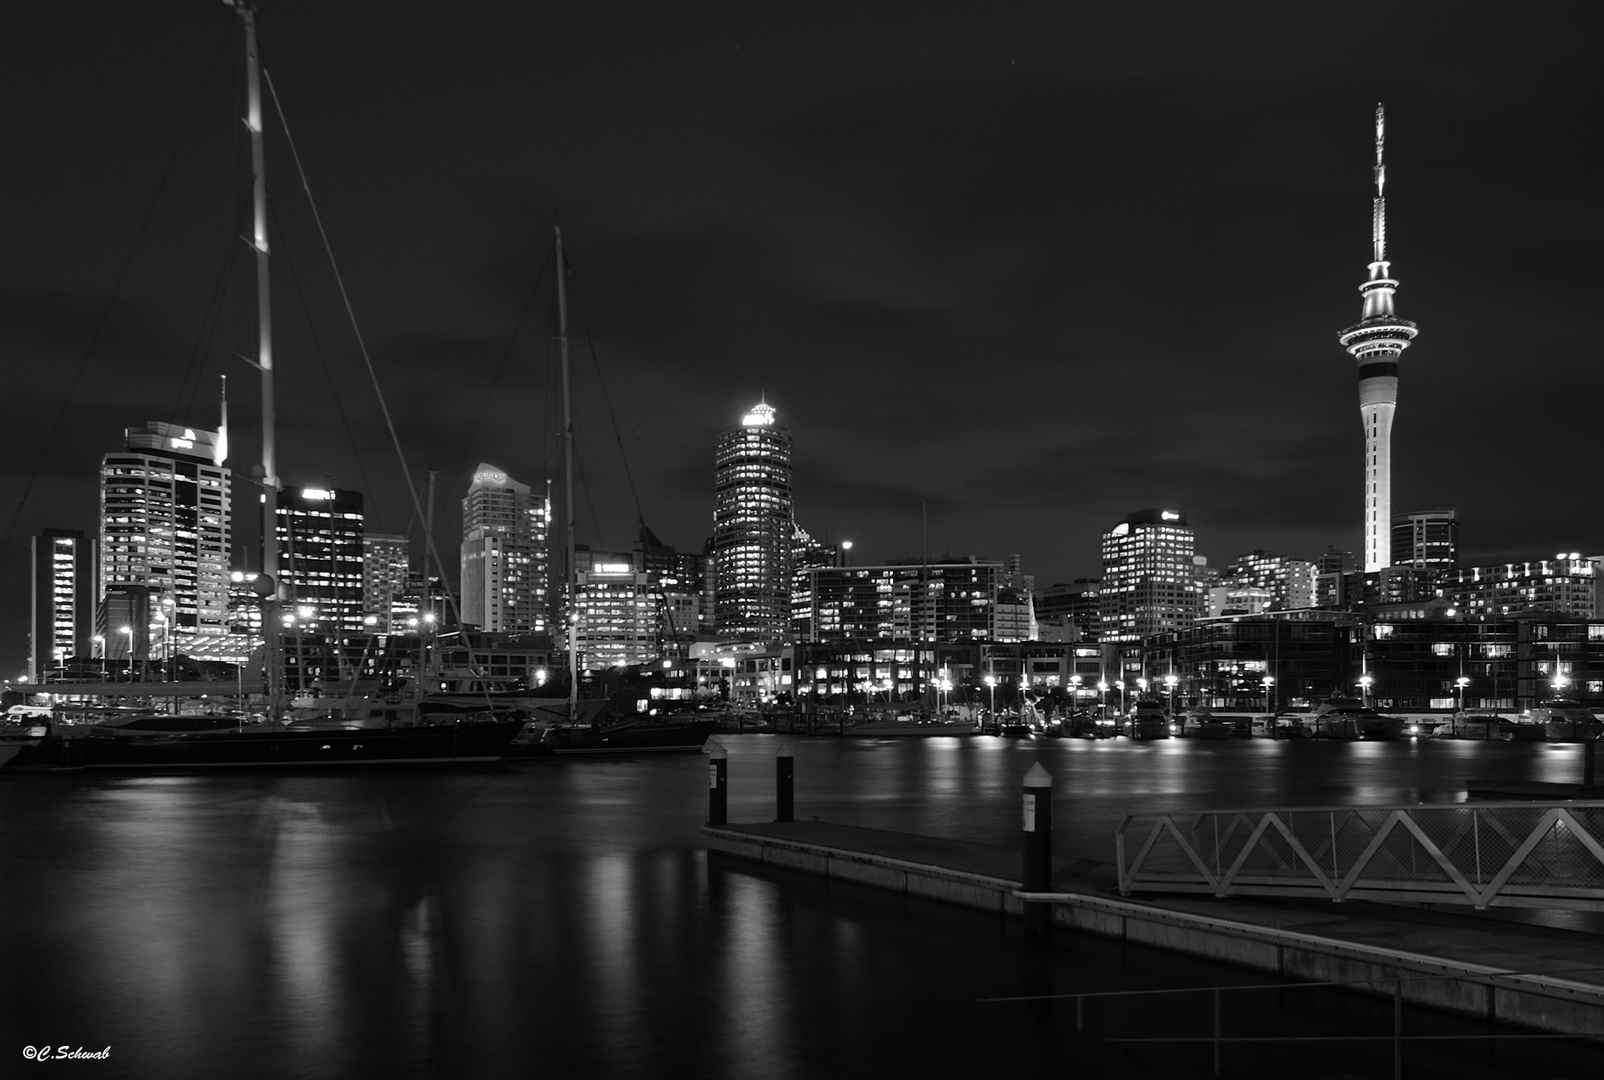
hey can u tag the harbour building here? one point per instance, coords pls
(1377, 341)
(951, 601)
(753, 528)
(1149, 576)
(505, 558)
(320, 554)
(165, 531)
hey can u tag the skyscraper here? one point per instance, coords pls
(386, 561)
(164, 527)
(1149, 586)
(321, 557)
(753, 524)
(505, 561)
(1377, 341)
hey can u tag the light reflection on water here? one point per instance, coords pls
(565, 920)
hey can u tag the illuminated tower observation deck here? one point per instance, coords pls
(1377, 341)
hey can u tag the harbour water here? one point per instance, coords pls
(562, 919)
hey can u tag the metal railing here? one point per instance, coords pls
(1254, 1031)
(1510, 855)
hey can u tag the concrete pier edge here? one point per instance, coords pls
(1537, 1000)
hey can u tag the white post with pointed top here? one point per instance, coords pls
(1037, 807)
(718, 801)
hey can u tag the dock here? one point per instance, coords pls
(1539, 977)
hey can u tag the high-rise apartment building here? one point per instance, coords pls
(940, 602)
(164, 528)
(1288, 583)
(320, 555)
(1149, 580)
(63, 593)
(505, 559)
(1426, 540)
(1377, 341)
(386, 559)
(753, 528)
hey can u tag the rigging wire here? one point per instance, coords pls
(362, 345)
(323, 359)
(111, 301)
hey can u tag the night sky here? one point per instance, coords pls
(1008, 271)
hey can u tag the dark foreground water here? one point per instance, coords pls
(563, 919)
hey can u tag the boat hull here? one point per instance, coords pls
(258, 748)
(642, 737)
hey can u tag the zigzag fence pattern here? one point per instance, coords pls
(1484, 855)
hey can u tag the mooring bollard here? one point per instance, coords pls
(718, 799)
(785, 781)
(1038, 826)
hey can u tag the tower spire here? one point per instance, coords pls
(1378, 225)
(1377, 341)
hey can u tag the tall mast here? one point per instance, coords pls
(264, 349)
(572, 614)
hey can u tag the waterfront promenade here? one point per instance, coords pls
(1499, 966)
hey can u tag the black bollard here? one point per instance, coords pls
(785, 781)
(1038, 826)
(718, 800)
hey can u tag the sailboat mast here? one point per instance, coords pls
(264, 353)
(572, 615)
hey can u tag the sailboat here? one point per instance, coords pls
(362, 732)
(619, 724)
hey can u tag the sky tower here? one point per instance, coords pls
(1377, 340)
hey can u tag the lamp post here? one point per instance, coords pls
(991, 684)
(100, 647)
(1365, 682)
(1074, 692)
(1462, 682)
(128, 632)
(1102, 700)
(1170, 681)
(1269, 681)
(1119, 684)
(846, 553)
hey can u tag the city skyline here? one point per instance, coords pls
(996, 272)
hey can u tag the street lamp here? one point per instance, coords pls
(1119, 684)
(1364, 689)
(846, 553)
(1560, 682)
(991, 684)
(1462, 682)
(100, 647)
(1074, 692)
(129, 632)
(1269, 681)
(1170, 681)
(1102, 700)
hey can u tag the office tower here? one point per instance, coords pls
(753, 523)
(677, 583)
(164, 527)
(386, 559)
(806, 554)
(1377, 341)
(617, 618)
(505, 562)
(1149, 584)
(63, 622)
(320, 558)
(1075, 606)
(1427, 540)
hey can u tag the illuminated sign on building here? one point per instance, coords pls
(316, 494)
(761, 415)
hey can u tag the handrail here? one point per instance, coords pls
(1484, 855)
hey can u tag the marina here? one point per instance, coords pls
(571, 914)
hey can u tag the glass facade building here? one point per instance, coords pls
(753, 526)
(505, 557)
